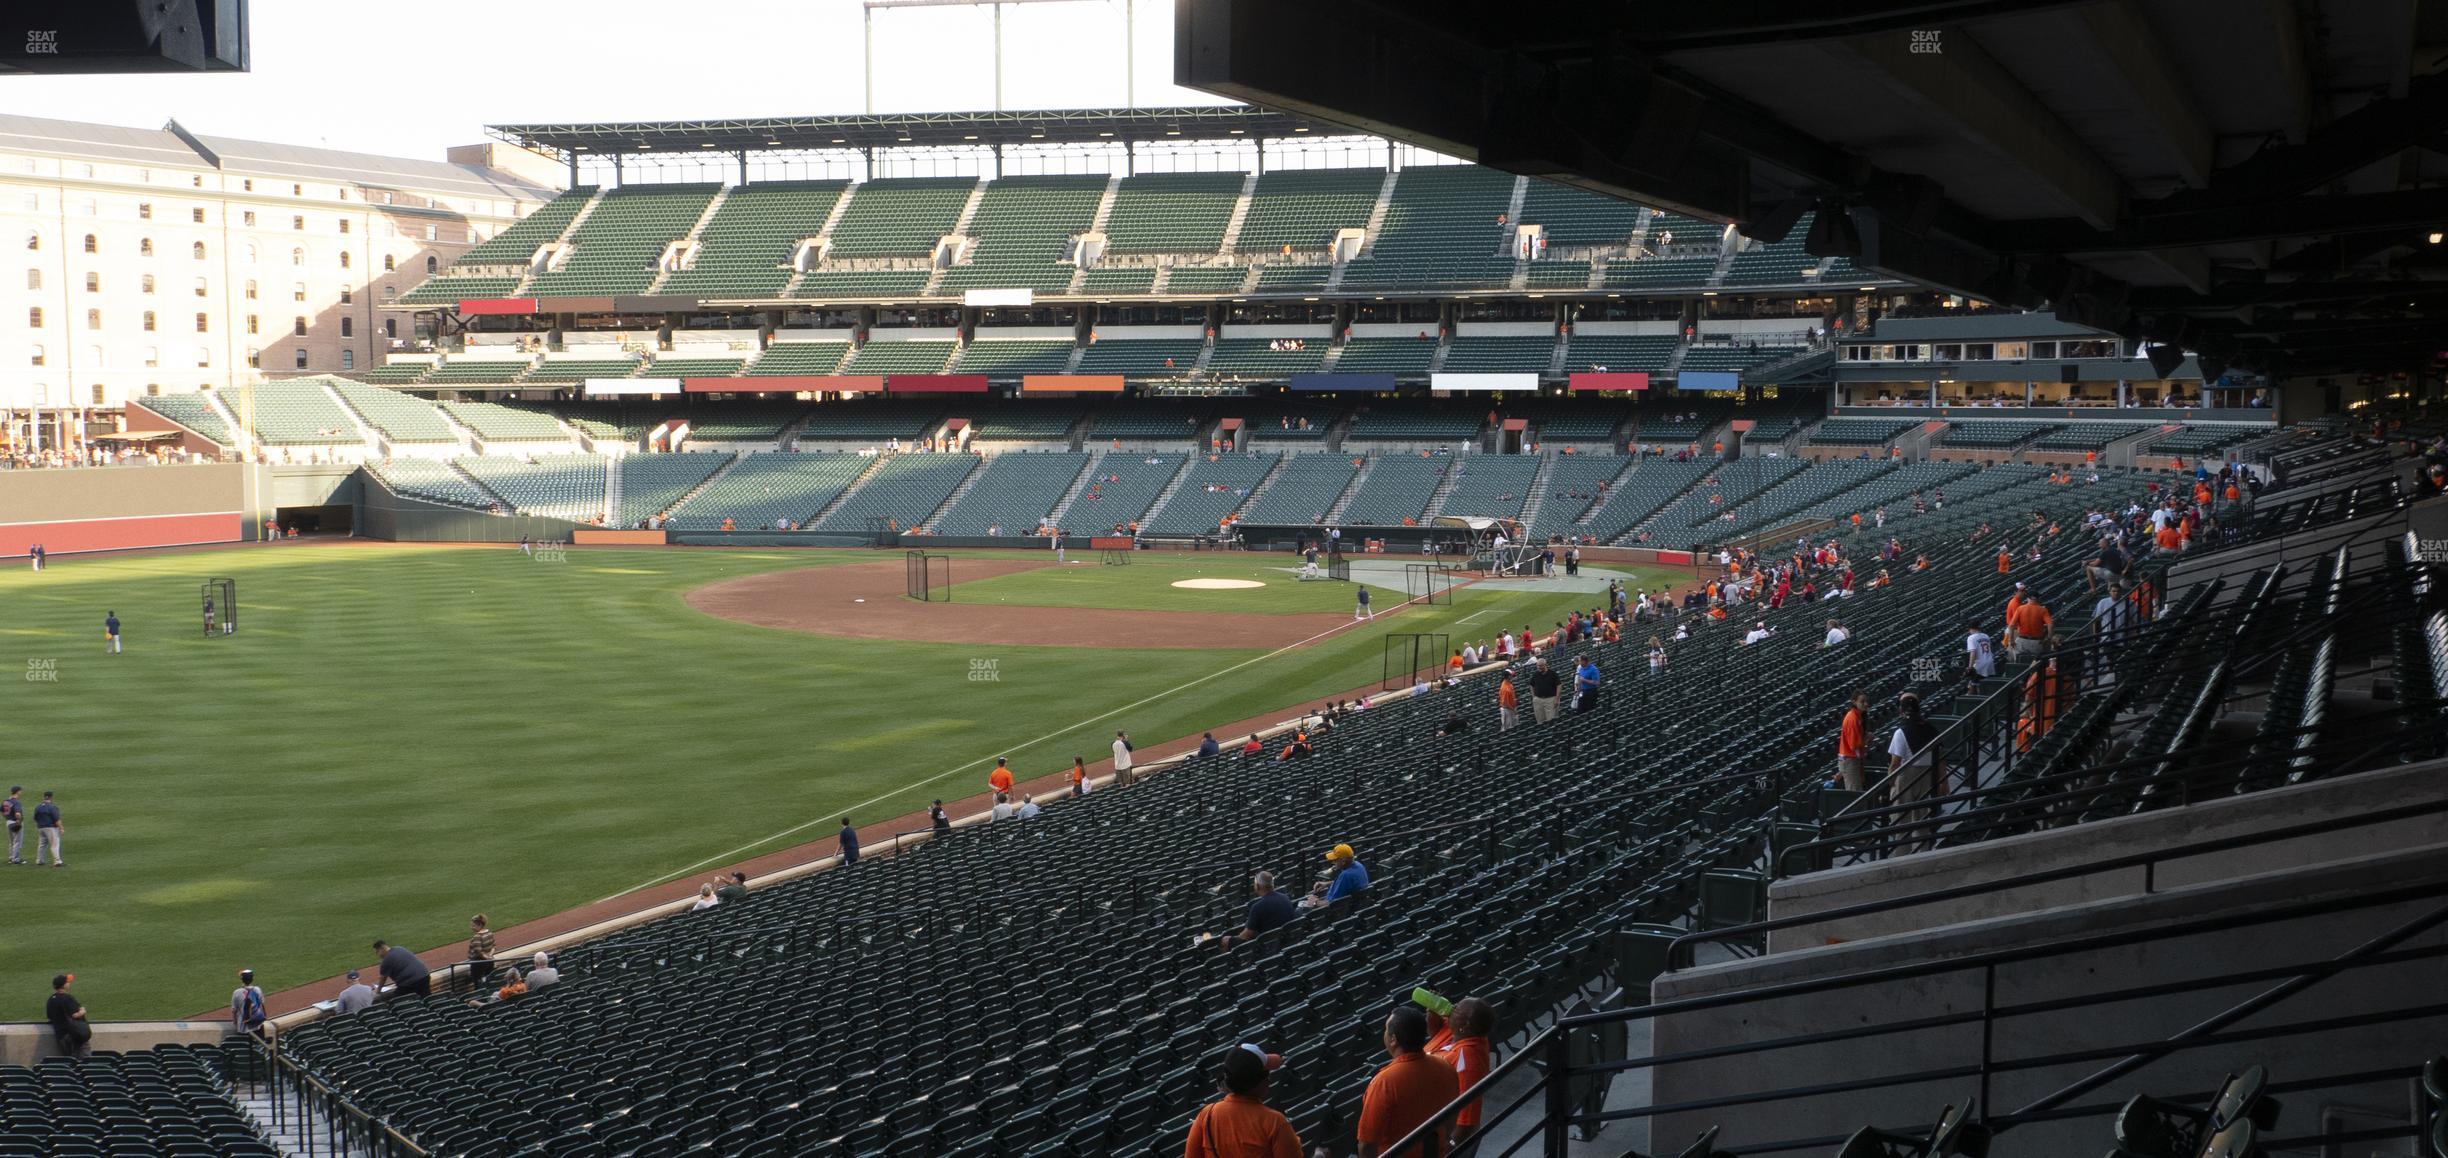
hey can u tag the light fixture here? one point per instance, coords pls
(2435, 237)
(837, 140)
(1302, 129)
(1104, 132)
(1172, 132)
(1708, 293)
(969, 137)
(1236, 132)
(1869, 289)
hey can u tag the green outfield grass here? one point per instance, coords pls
(399, 737)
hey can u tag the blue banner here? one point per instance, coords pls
(1708, 380)
(1354, 383)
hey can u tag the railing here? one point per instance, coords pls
(322, 1119)
(1569, 1093)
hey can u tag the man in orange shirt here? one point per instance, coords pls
(2005, 559)
(1464, 1046)
(1000, 779)
(2031, 627)
(2014, 601)
(1851, 739)
(1241, 1124)
(1407, 1091)
(1508, 704)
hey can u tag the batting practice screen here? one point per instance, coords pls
(930, 577)
(1411, 657)
(220, 607)
(1427, 583)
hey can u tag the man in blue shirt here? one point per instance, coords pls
(47, 828)
(1207, 744)
(1350, 876)
(110, 629)
(849, 843)
(1585, 684)
(1268, 910)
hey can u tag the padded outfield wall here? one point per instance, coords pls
(123, 507)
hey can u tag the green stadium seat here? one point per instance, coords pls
(400, 417)
(1020, 230)
(190, 411)
(921, 357)
(1172, 212)
(788, 358)
(745, 248)
(1013, 493)
(765, 489)
(1304, 208)
(615, 249)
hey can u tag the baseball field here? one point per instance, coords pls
(399, 736)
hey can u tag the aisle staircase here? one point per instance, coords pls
(1240, 214)
(1079, 486)
(1334, 512)
(1538, 490)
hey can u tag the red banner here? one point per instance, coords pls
(1610, 380)
(935, 384)
(497, 305)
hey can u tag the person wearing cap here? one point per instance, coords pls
(47, 829)
(70, 1031)
(1350, 876)
(12, 810)
(1241, 1124)
(541, 973)
(246, 1004)
(1406, 1091)
(356, 997)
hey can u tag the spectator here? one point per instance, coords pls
(402, 970)
(2031, 629)
(1759, 631)
(939, 819)
(705, 899)
(1079, 772)
(1455, 724)
(542, 973)
(1407, 1091)
(479, 949)
(516, 986)
(1980, 653)
(734, 890)
(1122, 759)
(1003, 809)
(12, 810)
(69, 1029)
(1000, 780)
(246, 1004)
(1297, 748)
(1268, 909)
(2105, 569)
(1912, 763)
(1464, 1046)
(1585, 685)
(1837, 634)
(1028, 809)
(1545, 686)
(1253, 748)
(1241, 1124)
(1350, 877)
(847, 838)
(355, 997)
(1207, 745)
(1508, 704)
(1850, 742)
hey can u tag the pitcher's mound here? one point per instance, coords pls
(1217, 584)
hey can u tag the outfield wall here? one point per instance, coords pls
(386, 514)
(124, 507)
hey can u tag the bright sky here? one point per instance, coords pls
(412, 80)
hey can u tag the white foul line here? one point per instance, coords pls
(971, 764)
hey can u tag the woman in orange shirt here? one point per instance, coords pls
(2005, 560)
(1079, 776)
(1241, 1124)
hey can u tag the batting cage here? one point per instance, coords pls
(1428, 583)
(1338, 567)
(1114, 556)
(930, 577)
(1411, 657)
(220, 607)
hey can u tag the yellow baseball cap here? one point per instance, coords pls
(1339, 852)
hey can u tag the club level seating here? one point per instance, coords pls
(400, 417)
(1626, 352)
(1860, 431)
(666, 366)
(1575, 485)
(768, 487)
(1014, 492)
(517, 244)
(1578, 217)
(791, 359)
(1674, 420)
(1025, 421)
(1440, 229)
(745, 420)
(1196, 510)
(1658, 272)
(1020, 229)
(478, 371)
(1782, 262)
(617, 421)
(426, 479)
(172, 1101)
(564, 371)
(1172, 212)
(1303, 208)
(1293, 277)
(920, 357)
(1674, 230)
(899, 216)
(652, 483)
(1145, 424)
(903, 489)
(1121, 489)
(1499, 354)
(2195, 441)
(1406, 357)
(1392, 423)
(1119, 280)
(1006, 359)
(298, 412)
(836, 284)
(1287, 422)
(2089, 435)
(871, 420)
(1643, 491)
(191, 411)
(1397, 487)
(454, 288)
(615, 249)
(396, 373)
(560, 486)
(1304, 490)
(1492, 485)
(1718, 356)
(505, 422)
(1776, 429)
(1250, 358)
(1206, 279)
(1546, 274)
(1993, 434)
(745, 249)
(1141, 357)
(1587, 425)
(1831, 489)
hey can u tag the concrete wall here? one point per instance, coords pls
(116, 508)
(2112, 1029)
(24, 1044)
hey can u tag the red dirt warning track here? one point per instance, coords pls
(825, 601)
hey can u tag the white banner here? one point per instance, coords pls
(999, 297)
(1483, 381)
(599, 387)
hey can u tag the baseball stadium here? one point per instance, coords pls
(1847, 582)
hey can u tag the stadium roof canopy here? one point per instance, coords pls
(915, 130)
(2260, 180)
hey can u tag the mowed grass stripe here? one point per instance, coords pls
(399, 737)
